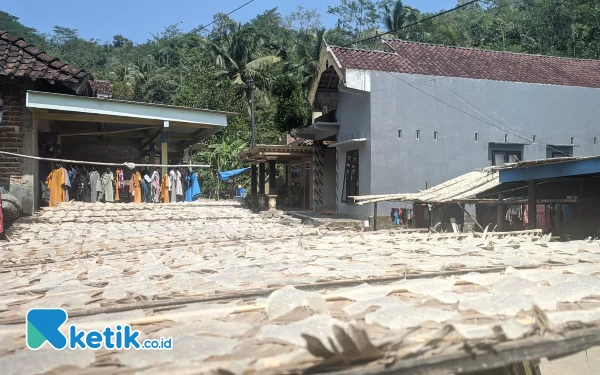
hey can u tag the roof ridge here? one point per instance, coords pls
(364, 50)
(485, 50)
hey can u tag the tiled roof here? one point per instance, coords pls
(435, 60)
(20, 59)
(102, 87)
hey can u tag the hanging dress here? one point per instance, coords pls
(56, 183)
(106, 182)
(155, 187)
(164, 189)
(94, 177)
(193, 191)
(174, 187)
(135, 188)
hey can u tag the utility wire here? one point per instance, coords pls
(394, 30)
(498, 121)
(197, 30)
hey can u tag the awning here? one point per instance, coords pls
(349, 141)
(85, 120)
(228, 175)
(319, 131)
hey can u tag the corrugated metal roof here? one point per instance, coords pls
(460, 188)
(531, 163)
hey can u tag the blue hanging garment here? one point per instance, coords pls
(193, 192)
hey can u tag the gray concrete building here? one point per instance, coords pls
(413, 115)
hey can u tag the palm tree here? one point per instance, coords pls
(399, 16)
(242, 56)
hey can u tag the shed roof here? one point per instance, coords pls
(457, 189)
(436, 60)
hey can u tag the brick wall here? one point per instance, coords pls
(101, 153)
(11, 130)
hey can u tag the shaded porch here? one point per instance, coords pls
(297, 173)
(104, 130)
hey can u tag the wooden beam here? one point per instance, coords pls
(151, 139)
(97, 119)
(196, 137)
(471, 216)
(102, 133)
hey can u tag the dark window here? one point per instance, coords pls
(435, 136)
(399, 134)
(501, 157)
(350, 184)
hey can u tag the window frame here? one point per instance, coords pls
(351, 169)
(507, 154)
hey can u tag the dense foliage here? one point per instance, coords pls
(210, 67)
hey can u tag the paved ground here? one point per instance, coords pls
(237, 292)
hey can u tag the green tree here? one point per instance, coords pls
(243, 56)
(398, 15)
(292, 110)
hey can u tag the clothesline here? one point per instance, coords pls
(129, 165)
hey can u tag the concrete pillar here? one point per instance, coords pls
(164, 144)
(272, 175)
(261, 177)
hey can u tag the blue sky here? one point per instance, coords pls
(137, 19)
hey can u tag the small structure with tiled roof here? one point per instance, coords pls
(21, 60)
(102, 89)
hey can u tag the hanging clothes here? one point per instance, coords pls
(81, 181)
(119, 184)
(567, 213)
(155, 187)
(175, 186)
(106, 185)
(67, 185)
(164, 189)
(87, 192)
(94, 178)
(184, 182)
(146, 191)
(135, 188)
(543, 217)
(56, 183)
(193, 187)
(72, 174)
(514, 210)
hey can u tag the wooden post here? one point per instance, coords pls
(500, 214)
(532, 207)
(253, 181)
(164, 144)
(261, 177)
(272, 175)
(375, 216)
(303, 182)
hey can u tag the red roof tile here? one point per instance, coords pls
(428, 59)
(19, 58)
(102, 87)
